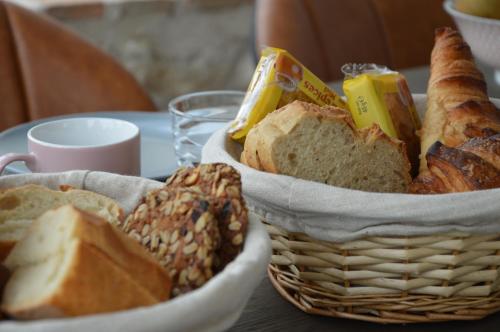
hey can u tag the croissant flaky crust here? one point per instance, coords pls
(473, 165)
(460, 170)
(460, 145)
(470, 119)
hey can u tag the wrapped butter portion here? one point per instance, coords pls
(278, 80)
(378, 95)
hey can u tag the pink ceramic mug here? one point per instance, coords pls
(98, 144)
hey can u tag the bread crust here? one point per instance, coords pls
(92, 284)
(487, 148)
(20, 203)
(460, 170)
(250, 156)
(124, 252)
(427, 184)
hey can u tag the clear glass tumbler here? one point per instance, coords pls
(198, 115)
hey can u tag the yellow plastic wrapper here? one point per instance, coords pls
(278, 80)
(378, 95)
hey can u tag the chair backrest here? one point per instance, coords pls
(325, 34)
(47, 70)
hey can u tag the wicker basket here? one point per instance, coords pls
(389, 279)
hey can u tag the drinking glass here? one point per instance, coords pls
(196, 116)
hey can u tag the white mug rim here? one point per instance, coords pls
(134, 134)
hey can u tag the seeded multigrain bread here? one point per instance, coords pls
(73, 263)
(178, 226)
(222, 185)
(19, 206)
(322, 144)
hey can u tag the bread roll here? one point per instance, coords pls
(74, 263)
(21, 205)
(322, 144)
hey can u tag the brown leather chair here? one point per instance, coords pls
(325, 34)
(46, 70)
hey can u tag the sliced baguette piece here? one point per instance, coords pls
(249, 156)
(19, 206)
(74, 263)
(322, 144)
(79, 281)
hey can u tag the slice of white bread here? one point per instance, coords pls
(19, 206)
(322, 144)
(74, 263)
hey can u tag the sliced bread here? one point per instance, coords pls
(322, 144)
(19, 206)
(74, 263)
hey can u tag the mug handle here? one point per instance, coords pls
(6, 159)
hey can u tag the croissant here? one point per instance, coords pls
(460, 148)
(473, 165)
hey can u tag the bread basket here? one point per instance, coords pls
(386, 258)
(215, 306)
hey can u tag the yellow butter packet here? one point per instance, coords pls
(278, 80)
(378, 95)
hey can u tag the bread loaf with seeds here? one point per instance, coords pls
(222, 185)
(179, 227)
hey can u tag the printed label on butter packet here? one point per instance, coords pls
(378, 95)
(278, 80)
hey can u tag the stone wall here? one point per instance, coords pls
(171, 46)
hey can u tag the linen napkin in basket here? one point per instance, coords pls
(336, 214)
(214, 307)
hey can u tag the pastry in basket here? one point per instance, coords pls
(459, 139)
(19, 206)
(322, 144)
(222, 184)
(178, 225)
(471, 166)
(73, 263)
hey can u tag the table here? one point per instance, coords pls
(268, 311)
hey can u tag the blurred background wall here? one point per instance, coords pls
(171, 46)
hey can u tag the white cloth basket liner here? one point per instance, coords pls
(336, 214)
